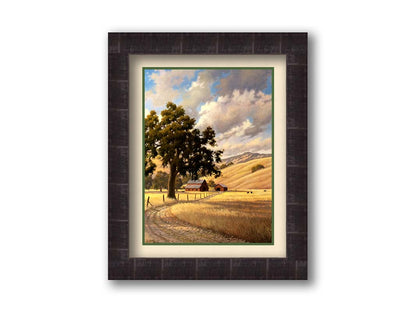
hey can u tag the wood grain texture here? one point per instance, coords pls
(294, 46)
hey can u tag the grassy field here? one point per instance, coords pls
(239, 176)
(156, 197)
(241, 215)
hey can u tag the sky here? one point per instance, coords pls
(236, 103)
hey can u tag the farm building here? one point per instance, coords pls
(221, 187)
(196, 185)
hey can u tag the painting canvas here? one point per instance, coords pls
(207, 155)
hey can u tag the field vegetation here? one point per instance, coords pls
(242, 214)
(256, 168)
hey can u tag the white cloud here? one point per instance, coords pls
(163, 91)
(200, 91)
(240, 121)
(232, 110)
(197, 93)
(236, 131)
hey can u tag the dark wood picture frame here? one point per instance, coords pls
(294, 46)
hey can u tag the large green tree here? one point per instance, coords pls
(181, 146)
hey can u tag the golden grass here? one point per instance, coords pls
(156, 197)
(239, 176)
(238, 214)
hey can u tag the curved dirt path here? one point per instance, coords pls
(161, 226)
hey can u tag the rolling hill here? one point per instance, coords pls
(239, 176)
(244, 157)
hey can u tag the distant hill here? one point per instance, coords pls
(239, 176)
(245, 157)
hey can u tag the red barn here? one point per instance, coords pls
(221, 188)
(197, 185)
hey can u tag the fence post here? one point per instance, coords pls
(178, 196)
(195, 196)
(148, 200)
(187, 197)
(163, 197)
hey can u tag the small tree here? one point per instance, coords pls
(161, 180)
(211, 183)
(256, 167)
(148, 182)
(226, 165)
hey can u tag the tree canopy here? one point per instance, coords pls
(181, 146)
(148, 182)
(161, 180)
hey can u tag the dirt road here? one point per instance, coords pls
(161, 226)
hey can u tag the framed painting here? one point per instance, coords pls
(207, 156)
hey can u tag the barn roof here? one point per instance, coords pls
(193, 186)
(196, 181)
(223, 185)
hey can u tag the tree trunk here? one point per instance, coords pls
(171, 183)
